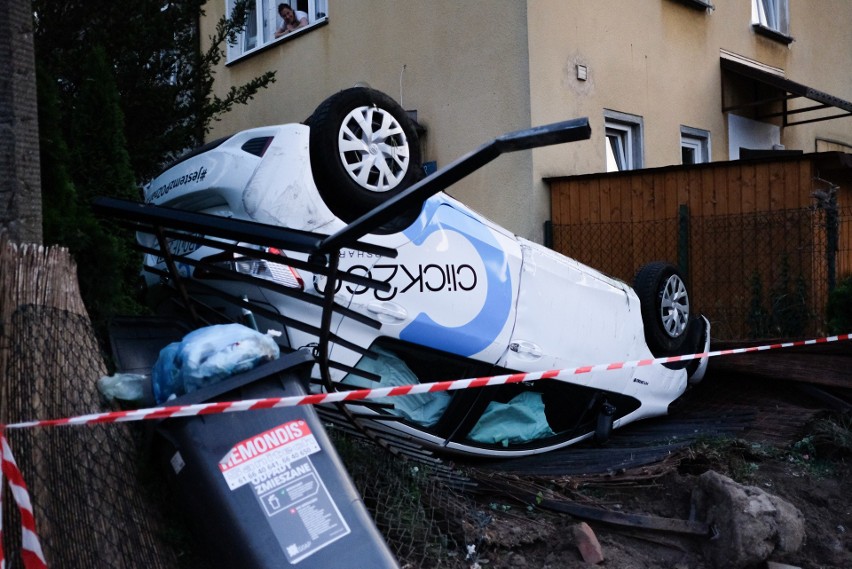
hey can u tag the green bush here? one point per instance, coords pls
(839, 307)
(85, 160)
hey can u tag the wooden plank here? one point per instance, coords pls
(761, 187)
(637, 203)
(594, 194)
(568, 202)
(844, 255)
(695, 191)
(708, 193)
(650, 202)
(621, 214)
(669, 195)
(556, 201)
(583, 202)
(723, 199)
(734, 188)
(565, 202)
(748, 189)
(683, 187)
(625, 192)
(608, 207)
(806, 182)
(796, 195)
(802, 183)
(560, 196)
(776, 187)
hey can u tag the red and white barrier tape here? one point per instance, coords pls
(155, 413)
(31, 553)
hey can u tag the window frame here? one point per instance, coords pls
(266, 20)
(698, 140)
(762, 14)
(703, 5)
(627, 131)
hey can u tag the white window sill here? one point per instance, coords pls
(772, 34)
(276, 42)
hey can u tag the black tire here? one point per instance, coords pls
(381, 158)
(665, 307)
(603, 427)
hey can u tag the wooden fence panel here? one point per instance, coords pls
(751, 221)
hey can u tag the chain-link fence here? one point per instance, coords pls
(755, 275)
(90, 509)
(426, 522)
(761, 275)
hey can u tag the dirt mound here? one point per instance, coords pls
(813, 488)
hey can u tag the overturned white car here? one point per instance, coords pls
(425, 289)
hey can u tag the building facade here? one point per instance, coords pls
(662, 82)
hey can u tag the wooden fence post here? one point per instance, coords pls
(683, 240)
(32, 274)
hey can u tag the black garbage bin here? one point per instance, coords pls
(266, 488)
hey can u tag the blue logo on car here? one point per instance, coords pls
(482, 330)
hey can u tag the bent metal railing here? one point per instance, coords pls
(320, 253)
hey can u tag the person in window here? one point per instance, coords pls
(292, 20)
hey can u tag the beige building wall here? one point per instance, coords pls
(462, 67)
(479, 68)
(659, 59)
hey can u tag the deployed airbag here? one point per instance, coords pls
(520, 420)
(423, 409)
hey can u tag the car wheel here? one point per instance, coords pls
(364, 150)
(665, 307)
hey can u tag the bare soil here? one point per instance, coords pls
(810, 477)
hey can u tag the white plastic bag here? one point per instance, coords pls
(207, 356)
(124, 386)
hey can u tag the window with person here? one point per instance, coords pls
(771, 15)
(270, 21)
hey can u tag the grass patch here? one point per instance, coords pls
(827, 442)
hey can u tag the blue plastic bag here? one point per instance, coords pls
(207, 356)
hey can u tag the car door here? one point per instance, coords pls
(572, 315)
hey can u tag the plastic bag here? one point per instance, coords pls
(124, 386)
(207, 356)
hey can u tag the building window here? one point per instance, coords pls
(697, 4)
(263, 20)
(694, 145)
(772, 16)
(623, 141)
